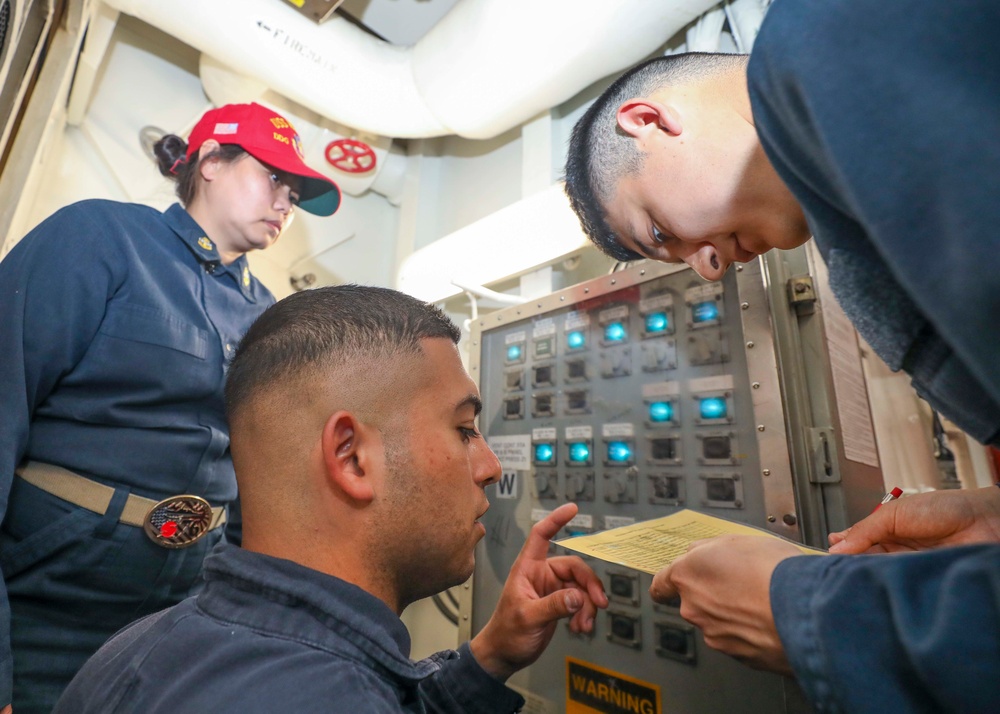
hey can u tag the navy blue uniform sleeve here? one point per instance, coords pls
(54, 286)
(461, 685)
(914, 632)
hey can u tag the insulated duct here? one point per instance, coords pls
(487, 66)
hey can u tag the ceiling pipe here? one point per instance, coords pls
(486, 67)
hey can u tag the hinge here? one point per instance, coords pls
(801, 293)
(823, 455)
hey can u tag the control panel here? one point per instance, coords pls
(633, 396)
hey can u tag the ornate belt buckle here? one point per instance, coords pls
(178, 521)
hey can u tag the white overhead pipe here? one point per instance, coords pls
(487, 66)
(745, 18)
(704, 35)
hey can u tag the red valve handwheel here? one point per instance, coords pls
(351, 156)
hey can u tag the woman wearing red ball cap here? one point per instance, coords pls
(118, 322)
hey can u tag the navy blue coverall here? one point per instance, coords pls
(881, 117)
(116, 322)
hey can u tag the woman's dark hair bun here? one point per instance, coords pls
(170, 152)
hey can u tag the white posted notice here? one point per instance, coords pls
(514, 451)
(848, 379)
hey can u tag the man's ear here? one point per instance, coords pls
(640, 117)
(343, 440)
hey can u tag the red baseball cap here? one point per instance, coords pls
(268, 136)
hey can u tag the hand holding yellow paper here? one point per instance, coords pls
(650, 546)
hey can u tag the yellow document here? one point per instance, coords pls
(650, 546)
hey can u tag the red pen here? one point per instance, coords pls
(895, 493)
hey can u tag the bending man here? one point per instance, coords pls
(857, 127)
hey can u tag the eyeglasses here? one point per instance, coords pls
(279, 178)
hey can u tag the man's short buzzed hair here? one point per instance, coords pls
(600, 153)
(328, 328)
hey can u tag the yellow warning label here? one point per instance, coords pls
(591, 689)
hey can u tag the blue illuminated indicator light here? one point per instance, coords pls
(705, 312)
(614, 332)
(713, 408)
(579, 452)
(656, 322)
(619, 451)
(544, 453)
(513, 353)
(661, 411)
(576, 339)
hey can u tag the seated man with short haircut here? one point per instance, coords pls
(362, 476)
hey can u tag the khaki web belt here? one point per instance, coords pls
(175, 522)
